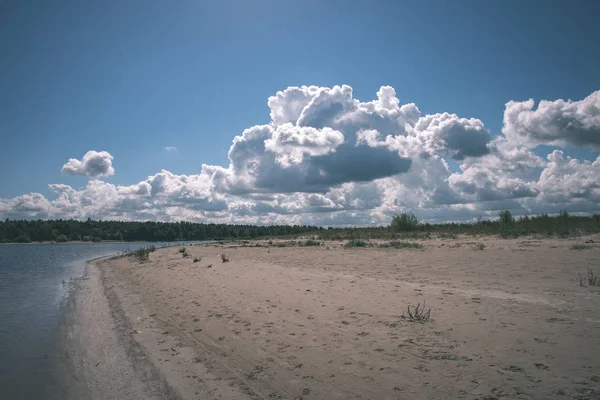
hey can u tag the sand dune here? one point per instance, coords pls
(509, 321)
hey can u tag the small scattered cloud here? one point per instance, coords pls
(170, 148)
(94, 164)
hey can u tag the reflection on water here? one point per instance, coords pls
(35, 283)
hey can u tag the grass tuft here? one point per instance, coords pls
(402, 245)
(590, 280)
(443, 236)
(581, 246)
(224, 258)
(311, 242)
(142, 254)
(419, 314)
(355, 243)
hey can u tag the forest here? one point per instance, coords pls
(22, 231)
(405, 225)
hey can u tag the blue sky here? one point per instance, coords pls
(133, 77)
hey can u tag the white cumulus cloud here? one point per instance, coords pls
(291, 143)
(560, 122)
(327, 158)
(94, 164)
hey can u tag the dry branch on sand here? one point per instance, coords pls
(590, 280)
(420, 314)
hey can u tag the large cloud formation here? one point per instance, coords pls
(94, 164)
(326, 158)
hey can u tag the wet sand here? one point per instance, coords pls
(508, 321)
(101, 360)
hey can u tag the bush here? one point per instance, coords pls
(62, 238)
(590, 280)
(196, 259)
(506, 218)
(24, 238)
(355, 243)
(143, 254)
(312, 242)
(447, 236)
(404, 222)
(580, 246)
(182, 250)
(420, 314)
(402, 245)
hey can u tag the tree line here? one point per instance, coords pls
(406, 226)
(25, 231)
(506, 225)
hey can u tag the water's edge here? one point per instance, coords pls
(69, 375)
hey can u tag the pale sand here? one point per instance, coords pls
(509, 321)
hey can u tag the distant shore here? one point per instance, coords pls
(106, 241)
(70, 242)
(288, 321)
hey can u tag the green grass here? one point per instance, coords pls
(141, 254)
(311, 242)
(443, 235)
(355, 243)
(581, 246)
(402, 245)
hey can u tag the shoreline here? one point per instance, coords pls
(109, 242)
(325, 322)
(95, 331)
(100, 359)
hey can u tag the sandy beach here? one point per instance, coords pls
(508, 320)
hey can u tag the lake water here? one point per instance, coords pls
(35, 283)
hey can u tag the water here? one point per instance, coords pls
(35, 283)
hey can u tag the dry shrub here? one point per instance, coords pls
(590, 280)
(420, 314)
